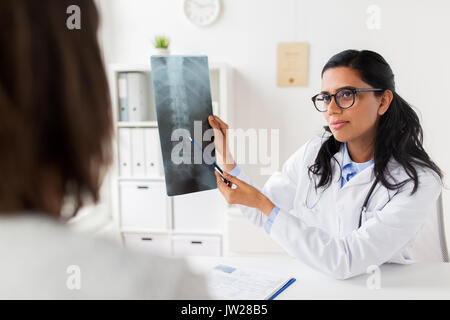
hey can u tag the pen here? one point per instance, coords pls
(213, 162)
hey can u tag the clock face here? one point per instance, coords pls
(202, 12)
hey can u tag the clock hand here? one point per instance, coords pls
(202, 5)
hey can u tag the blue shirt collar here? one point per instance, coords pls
(353, 166)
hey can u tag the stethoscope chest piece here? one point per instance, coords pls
(313, 209)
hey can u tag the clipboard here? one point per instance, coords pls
(227, 282)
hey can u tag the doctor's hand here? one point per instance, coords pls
(224, 156)
(243, 194)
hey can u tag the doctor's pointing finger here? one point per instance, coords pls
(243, 194)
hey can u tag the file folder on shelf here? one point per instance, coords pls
(137, 152)
(123, 96)
(137, 96)
(125, 152)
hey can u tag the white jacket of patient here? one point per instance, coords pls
(41, 258)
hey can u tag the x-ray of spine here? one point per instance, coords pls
(183, 100)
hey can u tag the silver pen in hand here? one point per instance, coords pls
(213, 162)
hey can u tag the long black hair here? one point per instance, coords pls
(399, 134)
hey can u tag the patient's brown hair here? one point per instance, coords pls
(55, 115)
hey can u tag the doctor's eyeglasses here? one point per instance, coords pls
(344, 97)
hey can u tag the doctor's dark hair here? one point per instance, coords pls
(399, 133)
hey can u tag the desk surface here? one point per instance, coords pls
(416, 281)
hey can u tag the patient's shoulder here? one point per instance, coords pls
(46, 259)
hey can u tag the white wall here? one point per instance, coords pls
(413, 38)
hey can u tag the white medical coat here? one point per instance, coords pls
(396, 227)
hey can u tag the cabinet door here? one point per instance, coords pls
(143, 205)
(199, 211)
(194, 245)
(242, 237)
(125, 152)
(148, 242)
(153, 155)
(138, 154)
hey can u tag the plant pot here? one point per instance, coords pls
(161, 51)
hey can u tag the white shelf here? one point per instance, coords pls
(137, 124)
(147, 68)
(155, 231)
(173, 231)
(198, 232)
(140, 179)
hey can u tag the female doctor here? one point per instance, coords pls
(362, 195)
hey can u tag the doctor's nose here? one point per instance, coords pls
(333, 108)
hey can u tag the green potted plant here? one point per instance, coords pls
(161, 44)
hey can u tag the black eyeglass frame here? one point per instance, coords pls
(354, 90)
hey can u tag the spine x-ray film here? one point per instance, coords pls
(183, 103)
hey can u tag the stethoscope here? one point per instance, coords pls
(363, 208)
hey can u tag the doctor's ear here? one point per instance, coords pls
(386, 100)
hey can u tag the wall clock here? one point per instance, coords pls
(202, 12)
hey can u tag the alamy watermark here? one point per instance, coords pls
(373, 282)
(373, 21)
(74, 20)
(255, 152)
(73, 281)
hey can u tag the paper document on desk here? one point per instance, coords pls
(226, 282)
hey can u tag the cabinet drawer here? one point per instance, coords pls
(155, 243)
(143, 205)
(191, 245)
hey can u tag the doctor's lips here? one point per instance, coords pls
(336, 124)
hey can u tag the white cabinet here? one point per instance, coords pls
(148, 219)
(148, 242)
(243, 238)
(198, 211)
(195, 245)
(143, 205)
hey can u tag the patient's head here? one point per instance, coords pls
(55, 115)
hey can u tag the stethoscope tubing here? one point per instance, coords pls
(363, 208)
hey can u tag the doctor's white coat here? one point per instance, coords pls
(321, 228)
